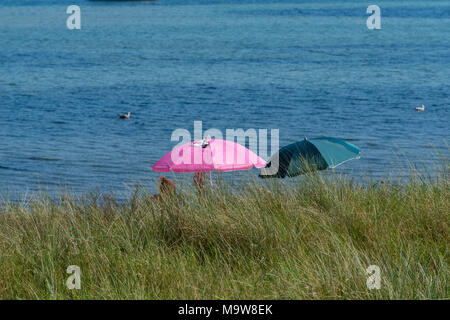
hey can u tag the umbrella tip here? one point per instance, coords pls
(205, 141)
(306, 138)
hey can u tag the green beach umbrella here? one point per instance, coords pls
(309, 155)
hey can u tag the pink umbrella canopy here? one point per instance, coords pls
(207, 155)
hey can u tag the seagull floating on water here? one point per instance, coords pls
(422, 108)
(125, 116)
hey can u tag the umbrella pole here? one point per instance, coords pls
(210, 179)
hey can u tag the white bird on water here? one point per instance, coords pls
(422, 108)
(125, 116)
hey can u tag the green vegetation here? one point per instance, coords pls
(310, 240)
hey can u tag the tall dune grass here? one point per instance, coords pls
(310, 240)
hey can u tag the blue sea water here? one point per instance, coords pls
(307, 68)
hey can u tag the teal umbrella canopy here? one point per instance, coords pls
(309, 155)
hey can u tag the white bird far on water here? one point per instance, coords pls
(422, 108)
(124, 116)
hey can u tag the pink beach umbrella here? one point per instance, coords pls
(207, 155)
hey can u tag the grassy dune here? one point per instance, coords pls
(311, 240)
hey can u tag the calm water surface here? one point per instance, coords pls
(307, 68)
